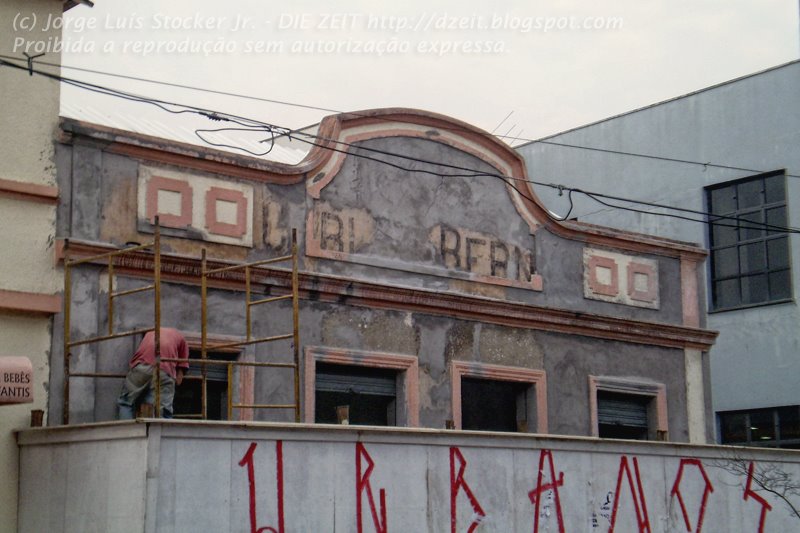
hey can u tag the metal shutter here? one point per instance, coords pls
(376, 385)
(619, 411)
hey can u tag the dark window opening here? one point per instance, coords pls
(492, 405)
(623, 416)
(361, 395)
(188, 401)
(749, 262)
(773, 427)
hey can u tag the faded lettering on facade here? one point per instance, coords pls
(483, 256)
(334, 232)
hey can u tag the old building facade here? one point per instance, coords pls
(434, 289)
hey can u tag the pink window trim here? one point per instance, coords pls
(237, 230)
(407, 364)
(537, 378)
(640, 268)
(658, 391)
(594, 284)
(158, 183)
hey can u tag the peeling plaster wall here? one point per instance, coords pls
(436, 341)
(377, 224)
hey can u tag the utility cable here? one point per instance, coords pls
(330, 110)
(256, 125)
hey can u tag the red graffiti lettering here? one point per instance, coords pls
(639, 502)
(362, 485)
(457, 483)
(248, 460)
(535, 495)
(750, 493)
(676, 492)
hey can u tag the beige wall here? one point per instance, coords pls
(30, 103)
(28, 121)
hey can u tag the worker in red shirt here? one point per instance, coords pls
(139, 385)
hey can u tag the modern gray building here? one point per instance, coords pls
(730, 150)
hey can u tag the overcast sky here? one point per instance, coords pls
(555, 65)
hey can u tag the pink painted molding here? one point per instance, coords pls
(536, 378)
(408, 365)
(658, 391)
(651, 293)
(213, 225)
(322, 162)
(595, 285)
(29, 191)
(376, 295)
(30, 302)
(158, 183)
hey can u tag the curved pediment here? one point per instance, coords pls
(337, 133)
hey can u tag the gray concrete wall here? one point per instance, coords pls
(750, 123)
(174, 477)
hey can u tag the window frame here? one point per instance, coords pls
(244, 386)
(535, 378)
(749, 442)
(658, 425)
(407, 367)
(762, 207)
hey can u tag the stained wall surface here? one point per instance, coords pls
(28, 277)
(442, 275)
(183, 476)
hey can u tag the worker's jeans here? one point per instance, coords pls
(139, 387)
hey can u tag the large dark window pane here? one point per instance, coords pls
(776, 217)
(723, 201)
(725, 233)
(733, 427)
(726, 293)
(752, 257)
(775, 188)
(755, 289)
(368, 393)
(490, 405)
(749, 194)
(762, 426)
(749, 266)
(726, 262)
(751, 225)
(789, 420)
(778, 253)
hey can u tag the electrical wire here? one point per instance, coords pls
(331, 110)
(249, 124)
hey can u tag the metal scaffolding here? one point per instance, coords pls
(155, 245)
(206, 275)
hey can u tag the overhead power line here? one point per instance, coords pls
(706, 164)
(249, 124)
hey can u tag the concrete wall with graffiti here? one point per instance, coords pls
(176, 477)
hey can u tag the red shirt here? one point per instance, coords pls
(173, 346)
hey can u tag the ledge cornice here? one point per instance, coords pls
(349, 291)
